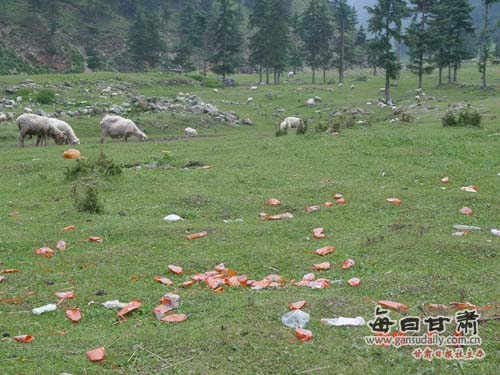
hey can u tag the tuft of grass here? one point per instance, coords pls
(45, 96)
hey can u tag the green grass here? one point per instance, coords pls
(404, 253)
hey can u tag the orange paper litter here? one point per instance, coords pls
(64, 295)
(393, 305)
(45, 251)
(96, 239)
(322, 266)
(303, 334)
(348, 263)
(325, 250)
(318, 233)
(163, 280)
(74, 314)
(297, 305)
(23, 338)
(174, 318)
(196, 235)
(133, 305)
(354, 281)
(68, 228)
(96, 355)
(272, 202)
(175, 269)
(395, 201)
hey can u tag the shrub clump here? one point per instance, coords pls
(466, 117)
(100, 166)
(45, 96)
(86, 196)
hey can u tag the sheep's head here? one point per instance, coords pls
(76, 141)
(142, 137)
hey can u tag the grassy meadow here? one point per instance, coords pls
(403, 253)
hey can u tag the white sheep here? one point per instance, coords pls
(353, 87)
(340, 84)
(310, 102)
(190, 131)
(119, 127)
(3, 117)
(291, 122)
(418, 99)
(71, 138)
(382, 89)
(250, 100)
(39, 126)
(290, 75)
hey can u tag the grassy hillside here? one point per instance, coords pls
(403, 253)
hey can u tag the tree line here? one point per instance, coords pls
(268, 37)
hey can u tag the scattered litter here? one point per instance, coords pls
(354, 281)
(174, 318)
(466, 211)
(460, 234)
(2, 278)
(318, 233)
(96, 239)
(348, 263)
(285, 215)
(23, 338)
(64, 295)
(10, 270)
(131, 306)
(312, 208)
(71, 154)
(175, 269)
(325, 250)
(61, 245)
(462, 305)
(295, 319)
(96, 355)
(44, 309)
(74, 314)
(303, 334)
(297, 305)
(322, 266)
(115, 304)
(194, 236)
(163, 280)
(340, 201)
(69, 228)
(465, 227)
(233, 221)
(272, 202)
(393, 305)
(337, 196)
(495, 232)
(328, 204)
(470, 188)
(45, 251)
(445, 179)
(395, 201)
(173, 217)
(340, 321)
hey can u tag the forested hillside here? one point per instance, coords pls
(76, 35)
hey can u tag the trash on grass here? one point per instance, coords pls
(44, 309)
(465, 227)
(115, 304)
(173, 217)
(96, 355)
(295, 319)
(303, 334)
(45, 251)
(340, 321)
(466, 211)
(354, 281)
(23, 338)
(297, 305)
(74, 314)
(325, 250)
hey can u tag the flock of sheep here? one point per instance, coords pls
(44, 127)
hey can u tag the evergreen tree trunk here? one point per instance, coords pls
(484, 58)
(449, 73)
(387, 85)
(455, 70)
(260, 73)
(342, 54)
(398, 47)
(267, 76)
(324, 75)
(374, 70)
(314, 75)
(440, 76)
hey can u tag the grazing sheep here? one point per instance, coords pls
(291, 122)
(310, 102)
(3, 117)
(70, 136)
(291, 75)
(417, 99)
(419, 91)
(39, 126)
(340, 84)
(190, 131)
(353, 87)
(119, 127)
(250, 100)
(382, 89)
